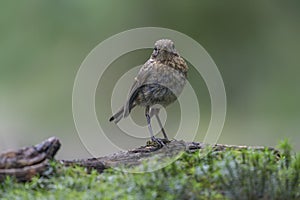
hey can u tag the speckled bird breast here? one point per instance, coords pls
(162, 87)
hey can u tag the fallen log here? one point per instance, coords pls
(25, 163)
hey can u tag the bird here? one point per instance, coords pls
(159, 81)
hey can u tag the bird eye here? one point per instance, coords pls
(155, 52)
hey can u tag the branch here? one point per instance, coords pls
(28, 162)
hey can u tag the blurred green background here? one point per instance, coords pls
(255, 44)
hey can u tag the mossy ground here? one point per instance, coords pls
(205, 174)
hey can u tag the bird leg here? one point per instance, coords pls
(155, 112)
(154, 139)
(162, 128)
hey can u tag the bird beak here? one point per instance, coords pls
(174, 52)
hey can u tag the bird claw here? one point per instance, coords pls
(159, 142)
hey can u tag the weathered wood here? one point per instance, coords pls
(132, 157)
(142, 154)
(27, 162)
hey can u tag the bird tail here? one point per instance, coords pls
(122, 113)
(118, 116)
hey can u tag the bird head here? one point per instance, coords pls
(164, 49)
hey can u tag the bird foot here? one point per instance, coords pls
(158, 142)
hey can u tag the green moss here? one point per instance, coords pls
(205, 174)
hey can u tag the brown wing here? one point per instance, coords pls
(139, 81)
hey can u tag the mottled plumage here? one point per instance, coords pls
(160, 81)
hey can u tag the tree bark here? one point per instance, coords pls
(25, 163)
(28, 162)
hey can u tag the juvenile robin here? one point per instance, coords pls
(160, 81)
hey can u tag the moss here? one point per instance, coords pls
(204, 174)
